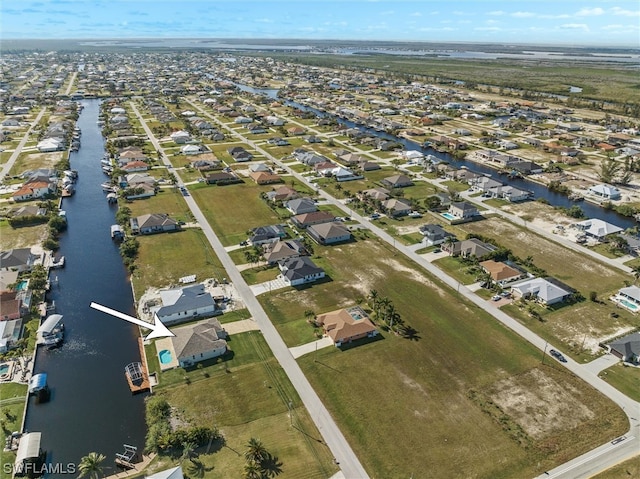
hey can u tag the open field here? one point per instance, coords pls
(33, 160)
(626, 470)
(11, 414)
(165, 258)
(578, 271)
(167, 201)
(233, 209)
(253, 398)
(21, 237)
(441, 379)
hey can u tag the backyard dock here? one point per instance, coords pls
(137, 373)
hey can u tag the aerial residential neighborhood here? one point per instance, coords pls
(350, 263)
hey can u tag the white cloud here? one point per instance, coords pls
(625, 13)
(496, 13)
(590, 12)
(416, 14)
(488, 29)
(523, 14)
(575, 26)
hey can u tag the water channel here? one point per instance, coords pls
(539, 191)
(91, 407)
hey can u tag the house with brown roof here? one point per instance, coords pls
(10, 306)
(35, 190)
(265, 178)
(346, 325)
(314, 218)
(397, 181)
(283, 249)
(500, 272)
(282, 193)
(396, 207)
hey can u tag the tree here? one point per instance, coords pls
(635, 270)
(449, 241)
(252, 470)
(188, 450)
(91, 465)
(256, 451)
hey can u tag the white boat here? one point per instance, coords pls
(108, 187)
(51, 331)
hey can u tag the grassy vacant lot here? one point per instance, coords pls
(165, 258)
(578, 271)
(21, 237)
(233, 209)
(457, 269)
(13, 397)
(251, 398)
(34, 160)
(624, 378)
(168, 201)
(442, 388)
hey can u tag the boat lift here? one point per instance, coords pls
(126, 458)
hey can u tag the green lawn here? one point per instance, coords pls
(454, 267)
(624, 378)
(251, 398)
(164, 258)
(459, 350)
(625, 470)
(21, 237)
(233, 209)
(167, 201)
(11, 413)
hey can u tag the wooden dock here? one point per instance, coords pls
(141, 384)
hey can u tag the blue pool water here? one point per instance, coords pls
(448, 216)
(21, 286)
(165, 356)
(628, 304)
(4, 369)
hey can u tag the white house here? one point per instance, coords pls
(301, 270)
(606, 192)
(49, 145)
(539, 289)
(597, 228)
(183, 304)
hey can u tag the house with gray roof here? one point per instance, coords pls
(199, 342)
(597, 228)
(17, 259)
(541, 290)
(469, 247)
(266, 234)
(329, 233)
(153, 223)
(434, 234)
(627, 348)
(299, 206)
(462, 211)
(282, 250)
(184, 304)
(301, 270)
(397, 181)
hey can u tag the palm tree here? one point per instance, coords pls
(449, 242)
(256, 451)
(189, 448)
(90, 465)
(373, 298)
(252, 470)
(635, 270)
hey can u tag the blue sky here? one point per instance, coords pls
(604, 22)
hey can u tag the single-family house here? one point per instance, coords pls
(8, 278)
(329, 233)
(265, 178)
(500, 272)
(300, 270)
(539, 289)
(173, 473)
(18, 259)
(183, 304)
(50, 144)
(133, 166)
(606, 192)
(296, 130)
(153, 223)
(180, 137)
(346, 325)
(396, 207)
(628, 298)
(597, 228)
(10, 306)
(267, 234)
(239, 154)
(369, 165)
(627, 348)
(509, 193)
(377, 193)
(469, 247)
(192, 149)
(299, 206)
(199, 342)
(434, 234)
(33, 190)
(314, 218)
(397, 181)
(462, 211)
(283, 193)
(283, 249)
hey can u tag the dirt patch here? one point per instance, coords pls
(539, 404)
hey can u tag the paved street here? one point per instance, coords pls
(14, 156)
(333, 437)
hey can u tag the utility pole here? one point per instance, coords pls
(544, 353)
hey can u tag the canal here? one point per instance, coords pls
(539, 191)
(91, 407)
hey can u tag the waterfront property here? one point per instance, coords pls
(606, 192)
(596, 228)
(192, 344)
(183, 304)
(153, 223)
(30, 455)
(346, 325)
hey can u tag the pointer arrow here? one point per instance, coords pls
(158, 329)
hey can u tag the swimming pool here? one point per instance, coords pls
(4, 369)
(448, 216)
(628, 304)
(165, 356)
(22, 285)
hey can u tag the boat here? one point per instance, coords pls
(116, 233)
(57, 263)
(575, 197)
(38, 387)
(106, 186)
(112, 198)
(51, 331)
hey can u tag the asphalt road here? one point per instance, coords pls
(332, 436)
(14, 156)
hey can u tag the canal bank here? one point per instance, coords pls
(91, 407)
(538, 190)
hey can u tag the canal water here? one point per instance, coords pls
(539, 191)
(91, 407)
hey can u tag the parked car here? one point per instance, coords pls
(497, 297)
(375, 216)
(558, 355)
